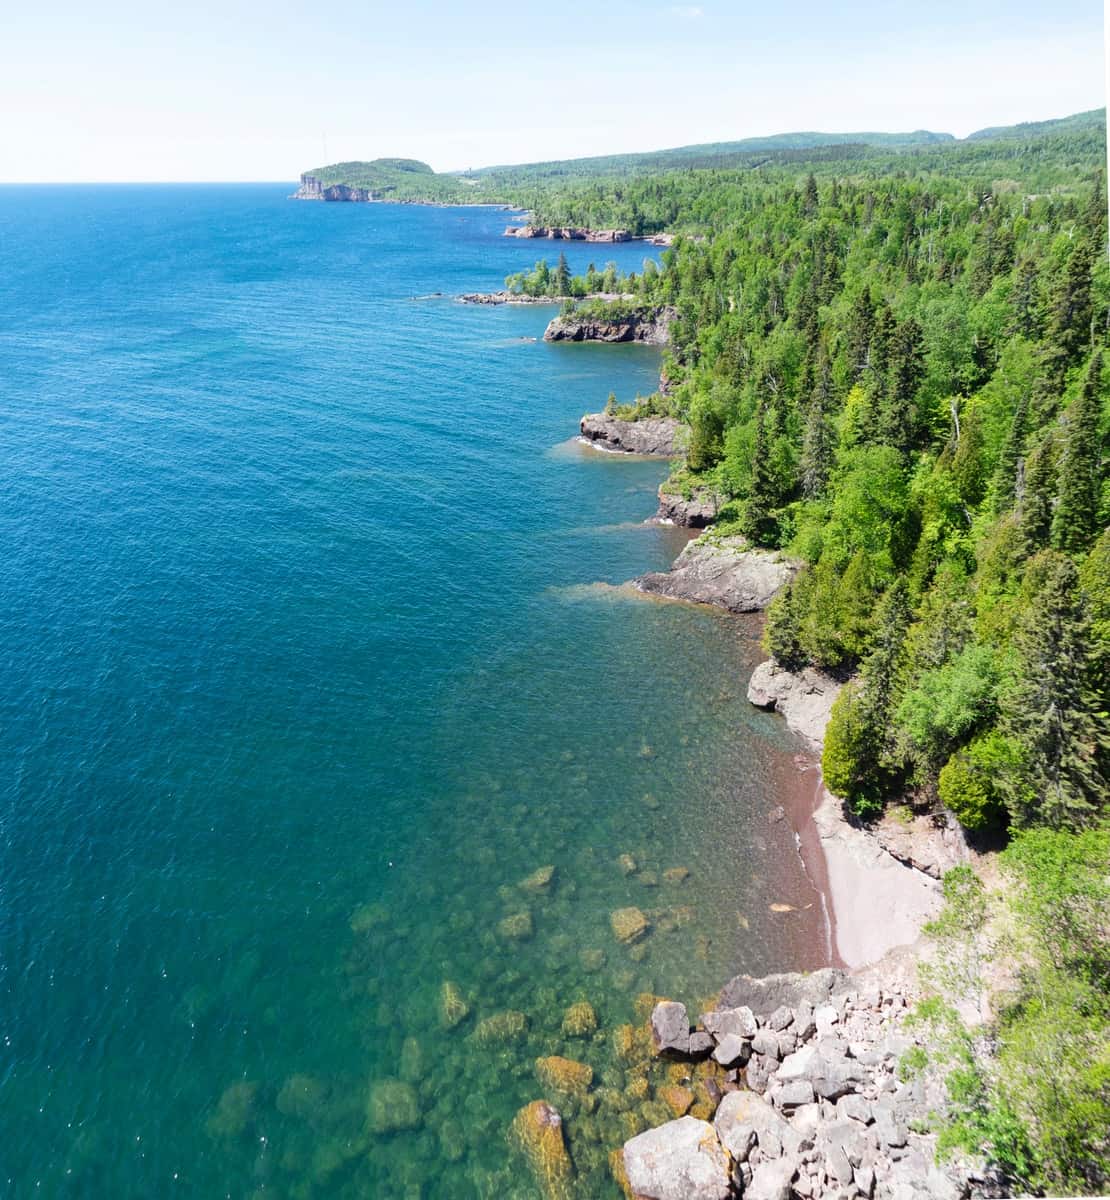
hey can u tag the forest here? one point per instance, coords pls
(895, 368)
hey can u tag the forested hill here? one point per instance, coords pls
(540, 186)
(896, 369)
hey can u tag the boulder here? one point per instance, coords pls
(682, 1160)
(739, 1021)
(629, 924)
(732, 1050)
(744, 1114)
(670, 1029)
(701, 1043)
(726, 572)
(771, 1181)
(564, 1075)
(537, 1131)
(804, 699)
(649, 435)
(789, 990)
(579, 1020)
(392, 1106)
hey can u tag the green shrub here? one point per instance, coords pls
(969, 794)
(848, 760)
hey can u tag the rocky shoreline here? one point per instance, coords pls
(649, 435)
(649, 326)
(580, 233)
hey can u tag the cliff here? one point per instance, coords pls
(568, 233)
(651, 326)
(313, 189)
(650, 435)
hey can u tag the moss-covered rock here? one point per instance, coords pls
(504, 1026)
(579, 1020)
(235, 1111)
(517, 927)
(303, 1097)
(537, 1131)
(453, 1008)
(629, 924)
(678, 1099)
(392, 1106)
(564, 1075)
(539, 880)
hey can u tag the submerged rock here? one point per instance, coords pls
(235, 1110)
(629, 924)
(392, 1106)
(682, 1160)
(579, 1020)
(537, 1131)
(726, 572)
(501, 1027)
(539, 880)
(453, 1008)
(517, 927)
(301, 1096)
(564, 1075)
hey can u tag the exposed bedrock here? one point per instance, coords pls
(651, 435)
(727, 572)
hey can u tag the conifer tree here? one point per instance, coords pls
(811, 201)
(562, 277)
(1055, 723)
(898, 414)
(1036, 497)
(1070, 309)
(1004, 484)
(1075, 522)
(817, 438)
(756, 520)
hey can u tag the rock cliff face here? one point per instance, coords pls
(312, 189)
(568, 233)
(650, 326)
(695, 512)
(804, 699)
(652, 435)
(724, 571)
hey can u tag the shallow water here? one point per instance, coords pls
(308, 663)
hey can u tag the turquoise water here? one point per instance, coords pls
(306, 666)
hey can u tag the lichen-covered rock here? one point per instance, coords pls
(682, 1160)
(453, 1008)
(564, 1075)
(579, 1020)
(537, 1131)
(504, 1026)
(670, 1029)
(726, 572)
(392, 1106)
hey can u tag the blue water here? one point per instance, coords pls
(305, 666)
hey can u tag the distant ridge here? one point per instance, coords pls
(408, 180)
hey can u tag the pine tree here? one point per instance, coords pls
(880, 671)
(1054, 721)
(562, 277)
(1070, 309)
(756, 521)
(817, 438)
(898, 412)
(1004, 484)
(1035, 509)
(810, 200)
(1075, 523)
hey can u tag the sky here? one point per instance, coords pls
(146, 90)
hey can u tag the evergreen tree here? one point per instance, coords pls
(880, 673)
(1004, 484)
(1054, 721)
(1076, 519)
(1070, 309)
(810, 202)
(561, 280)
(1035, 506)
(898, 413)
(757, 522)
(817, 439)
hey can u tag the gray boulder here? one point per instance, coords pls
(738, 1021)
(788, 990)
(771, 1181)
(682, 1160)
(804, 699)
(651, 435)
(670, 1029)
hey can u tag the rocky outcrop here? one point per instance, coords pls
(695, 511)
(651, 435)
(650, 326)
(506, 298)
(568, 233)
(726, 572)
(682, 1160)
(804, 699)
(820, 1104)
(928, 843)
(312, 189)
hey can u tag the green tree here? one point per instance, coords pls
(1056, 723)
(1075, 522)
(561, 281)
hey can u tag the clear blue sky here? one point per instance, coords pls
(250, 89)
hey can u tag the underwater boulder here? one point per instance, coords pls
(579, 1020)
(537, 1131)
(564, 1075)
(392, 1106)
(453, 1008)
(629, 924)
